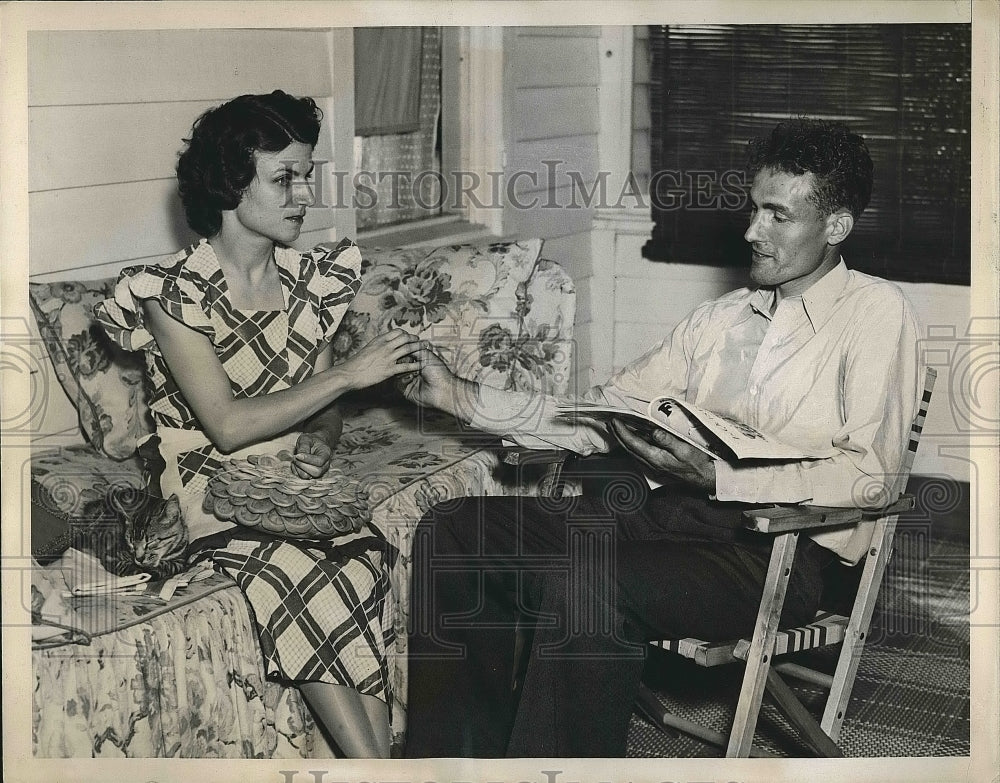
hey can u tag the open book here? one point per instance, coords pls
(718, 436)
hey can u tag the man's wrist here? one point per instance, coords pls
(460, 398)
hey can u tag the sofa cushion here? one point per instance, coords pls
(449, 295)
(69, 477)
(539, 352)
(106, 385)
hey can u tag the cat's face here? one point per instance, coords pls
(155, 531)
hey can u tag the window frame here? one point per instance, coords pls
(472, 141)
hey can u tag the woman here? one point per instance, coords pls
(237, 333)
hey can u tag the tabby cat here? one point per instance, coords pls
(132, 532)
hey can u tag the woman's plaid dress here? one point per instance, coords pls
(320, 609)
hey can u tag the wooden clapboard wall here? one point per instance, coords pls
(107, 113)
(550, 88)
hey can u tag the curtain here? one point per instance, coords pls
(412, 193)
(905, 88)
(386, 80)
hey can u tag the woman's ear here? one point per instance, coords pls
(839, 226)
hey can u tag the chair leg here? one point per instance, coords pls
(800, 718)
(651, 708)
(857, 628)
(758, 654)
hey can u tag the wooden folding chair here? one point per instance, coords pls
(770, 642)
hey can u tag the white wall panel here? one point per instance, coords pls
(108, 111)
(123, 142)
(571, 251)
(546, 112)
(568, 61)
(546, 223)
(118, 143)
(144, 66)
(565, 154)
(550, 93)
(79, 227)
(568, 31)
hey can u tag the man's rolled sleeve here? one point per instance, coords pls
(530, 420)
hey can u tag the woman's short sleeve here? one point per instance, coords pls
(335, 281)
(180, 297)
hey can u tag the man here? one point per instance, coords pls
(816, 354)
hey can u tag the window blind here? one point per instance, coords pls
(905, 88)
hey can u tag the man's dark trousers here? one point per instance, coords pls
(590, 579)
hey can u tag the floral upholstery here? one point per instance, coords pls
(104, 383)
(75, 475)
(467, 300)
(540, 354)
(184, 683)
(407, 458)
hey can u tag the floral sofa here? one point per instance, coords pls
(134, 675)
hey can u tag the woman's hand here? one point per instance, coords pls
(387, 356)
(665, 453)
(311, 458)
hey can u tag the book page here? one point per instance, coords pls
(679, 424)
(745, 441)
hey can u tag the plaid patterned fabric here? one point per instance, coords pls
(262, 352)
(196, 466)
(321, 613)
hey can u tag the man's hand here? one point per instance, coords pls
(436, 386)
(311, 458)
(665, 453)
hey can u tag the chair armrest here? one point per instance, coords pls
(551, 462)
(787, 519)
(518, 455)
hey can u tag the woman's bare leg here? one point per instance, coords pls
(342, 713)
(378, 719)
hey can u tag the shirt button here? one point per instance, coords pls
(753, 391)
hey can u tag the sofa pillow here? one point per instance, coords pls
(450, 295)
(538, 352)
(106, 384)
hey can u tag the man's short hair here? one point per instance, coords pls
(837, 158)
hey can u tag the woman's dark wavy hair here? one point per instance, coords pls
(217, 164)
(837, 158)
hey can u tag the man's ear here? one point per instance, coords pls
(838, 226)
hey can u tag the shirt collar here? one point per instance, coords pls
(761, 302)
(817, 300)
